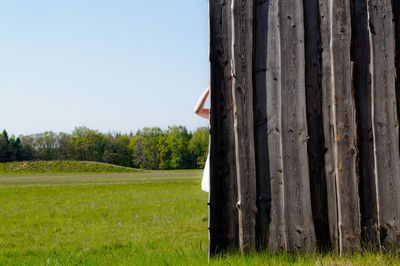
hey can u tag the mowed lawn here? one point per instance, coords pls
(131, 218)
(143, 218)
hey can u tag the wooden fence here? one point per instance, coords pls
(304, 125)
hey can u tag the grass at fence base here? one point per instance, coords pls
(363, 258)
(148, 218)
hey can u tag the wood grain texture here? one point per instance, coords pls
(316, 142)
(277, 229)
(293, 82)
(260, 123)
(327, 112)
(298, 214)
(242, 14)
(343, 109)
(396, 14)
(385, 123)
(223, 218)
(360, 55)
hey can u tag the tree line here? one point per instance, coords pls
(148, 148)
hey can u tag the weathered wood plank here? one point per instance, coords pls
(243, 121)
(277, 229)
(260, 123)
(360, 55)
(298, 214)
(223, 218)
(329, 135)
(385, 123)
(396, 14)
(313, 64)
(344, 128)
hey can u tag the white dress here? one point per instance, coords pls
(205, 182)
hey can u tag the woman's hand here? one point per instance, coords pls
(199, 108)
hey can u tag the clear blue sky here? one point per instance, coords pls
(111, 65)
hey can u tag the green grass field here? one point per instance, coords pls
(139, 218)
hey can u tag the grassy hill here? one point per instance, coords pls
(53, 167)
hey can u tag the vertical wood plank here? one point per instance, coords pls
(277, 230)
(343, 108)
(396, 14)
(385, 123)
(360, 55)
(329, 136)
(298, 214)
(223, 218)
(260, 123)
(243, 121)
(313, 69)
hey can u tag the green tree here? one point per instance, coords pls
(28, 150)
(16, 149)
(149, 148)
(45, 145)
(89, 145)
(5, 148)
(174, 153)
(198, 146)
(145, 148)
(117, 150)
(65, 149)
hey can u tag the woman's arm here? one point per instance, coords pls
(199, 108)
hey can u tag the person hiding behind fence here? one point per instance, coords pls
(205, 113)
